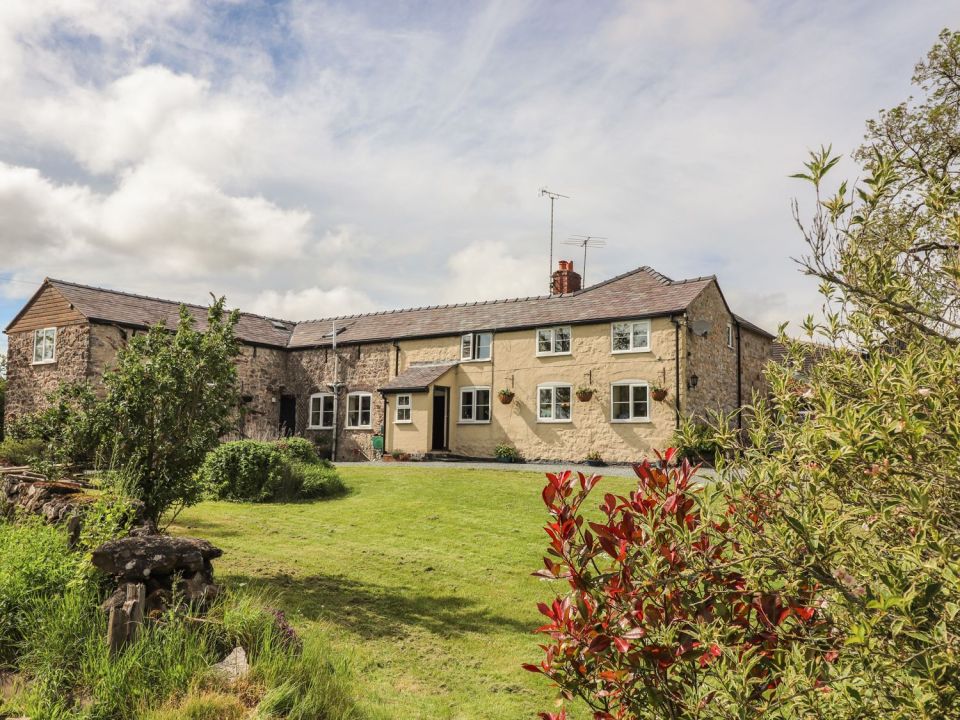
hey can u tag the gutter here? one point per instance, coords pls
(676, 362)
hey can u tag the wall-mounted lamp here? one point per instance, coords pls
(692, 382)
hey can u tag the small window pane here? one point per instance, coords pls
(621, 402)
(640, 404)
(562, 340)
(639, 335)
(466, 405)
(621, 336)
(544, 341)
(546, 403)
(483, 405)
(483, 341)
(562, 398)
(466, 347)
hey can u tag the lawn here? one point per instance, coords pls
(420, 576)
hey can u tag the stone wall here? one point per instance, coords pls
(261, 373)
(710, 358)
(361, 369)
(28, 385)
(755, 353)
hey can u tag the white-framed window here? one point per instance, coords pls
(630, 401)
(475, 405)
(631, 336)
(359, 410)
(476, 346)
(554, 402)
(321, 411)
(44, 345)
(404, 408)
(553, 340)
(730, 335)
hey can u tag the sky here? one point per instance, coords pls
(309, 159)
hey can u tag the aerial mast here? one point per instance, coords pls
(586, 241)
(553, 198)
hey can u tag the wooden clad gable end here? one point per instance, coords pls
(47, 308)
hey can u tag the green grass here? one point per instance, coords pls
(421, 576)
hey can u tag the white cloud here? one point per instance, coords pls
(311, 303)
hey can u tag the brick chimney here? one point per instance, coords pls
(565, 280)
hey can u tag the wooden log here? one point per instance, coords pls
(116, 630)
(134, 608)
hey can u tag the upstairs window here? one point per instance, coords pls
(630, 402)
(729, 335)
(553, 403)
(626, 337)
(321, 411)
(359, 413)
(404, 407)
(476, 346)
(44, 345)
(475, 405)
(553, 341)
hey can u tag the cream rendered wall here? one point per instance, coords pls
(514, 365)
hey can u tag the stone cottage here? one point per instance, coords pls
(609, 368)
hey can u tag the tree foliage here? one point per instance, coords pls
(170, 397)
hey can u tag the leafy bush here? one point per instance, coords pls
(245, 471)
(320, 481)
(661, 620)
(254, 471)
(696, 442)
(20, 452)
(507, 452)
(69, 426)
(298, 449)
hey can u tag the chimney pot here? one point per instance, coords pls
(565, 280)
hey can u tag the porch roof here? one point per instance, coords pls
(417, 378)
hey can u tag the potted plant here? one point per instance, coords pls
(506, 453)
(506, 396)
(659, 393)
(584, 393)
(594, 459)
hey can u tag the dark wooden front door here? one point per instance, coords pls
(288, 415)
(439, 434)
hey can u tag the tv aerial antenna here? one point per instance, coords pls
(553, 198)
(586, 242)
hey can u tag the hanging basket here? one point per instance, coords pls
(505, 397)
(584, 395)
(659, 394)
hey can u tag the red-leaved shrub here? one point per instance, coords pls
(661, 621)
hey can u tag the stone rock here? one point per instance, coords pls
(234, 666)
(140, 557)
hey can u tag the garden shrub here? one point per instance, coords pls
(297, 449)
(20, 452)
(661, 620)
(68, 428)
(255, 471)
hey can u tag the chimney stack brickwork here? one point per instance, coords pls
(565, 280)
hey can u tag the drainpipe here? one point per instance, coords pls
(739, 381)
(676, 359)
(383, 424)
(336, 394)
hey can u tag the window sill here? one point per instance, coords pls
(630, 352)
(403, 422)
(44, 362)
(358, 427)
(638, 421)
(555, 354)
(473, 422)
(475, 361)
(319, 427)
(544, 421)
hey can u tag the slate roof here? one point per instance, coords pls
(417, 378)
(639, 293)
(755, 328)
(642, 292)
(141, 311)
